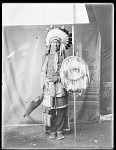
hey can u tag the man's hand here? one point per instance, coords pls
(55, 79)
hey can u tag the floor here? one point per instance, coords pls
(89, 135)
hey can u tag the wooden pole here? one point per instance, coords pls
(75, 117)
(73, 39)
(74, 21)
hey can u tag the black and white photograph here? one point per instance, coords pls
(57, 76)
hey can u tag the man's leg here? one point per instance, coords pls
(60, 122)
(53, 120)
(53, 124)
(47, 130)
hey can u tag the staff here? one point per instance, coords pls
(74, 21)
(74, 76)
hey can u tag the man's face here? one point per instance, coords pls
(55, 45)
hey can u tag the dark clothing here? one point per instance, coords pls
(57, 119)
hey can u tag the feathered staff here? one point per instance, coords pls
(74, 75)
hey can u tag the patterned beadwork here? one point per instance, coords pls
(50, 69)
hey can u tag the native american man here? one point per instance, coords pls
(55, 104)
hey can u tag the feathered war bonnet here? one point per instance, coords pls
(61, 34)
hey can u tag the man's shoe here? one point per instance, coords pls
(52, 135)
(60, 136)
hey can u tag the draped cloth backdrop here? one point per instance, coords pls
(23, 48)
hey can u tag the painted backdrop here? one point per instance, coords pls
(23, 48)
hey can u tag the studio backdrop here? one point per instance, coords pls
(22, 50)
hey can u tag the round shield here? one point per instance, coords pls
(73, 74)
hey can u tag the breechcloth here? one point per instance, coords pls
(54, 95)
